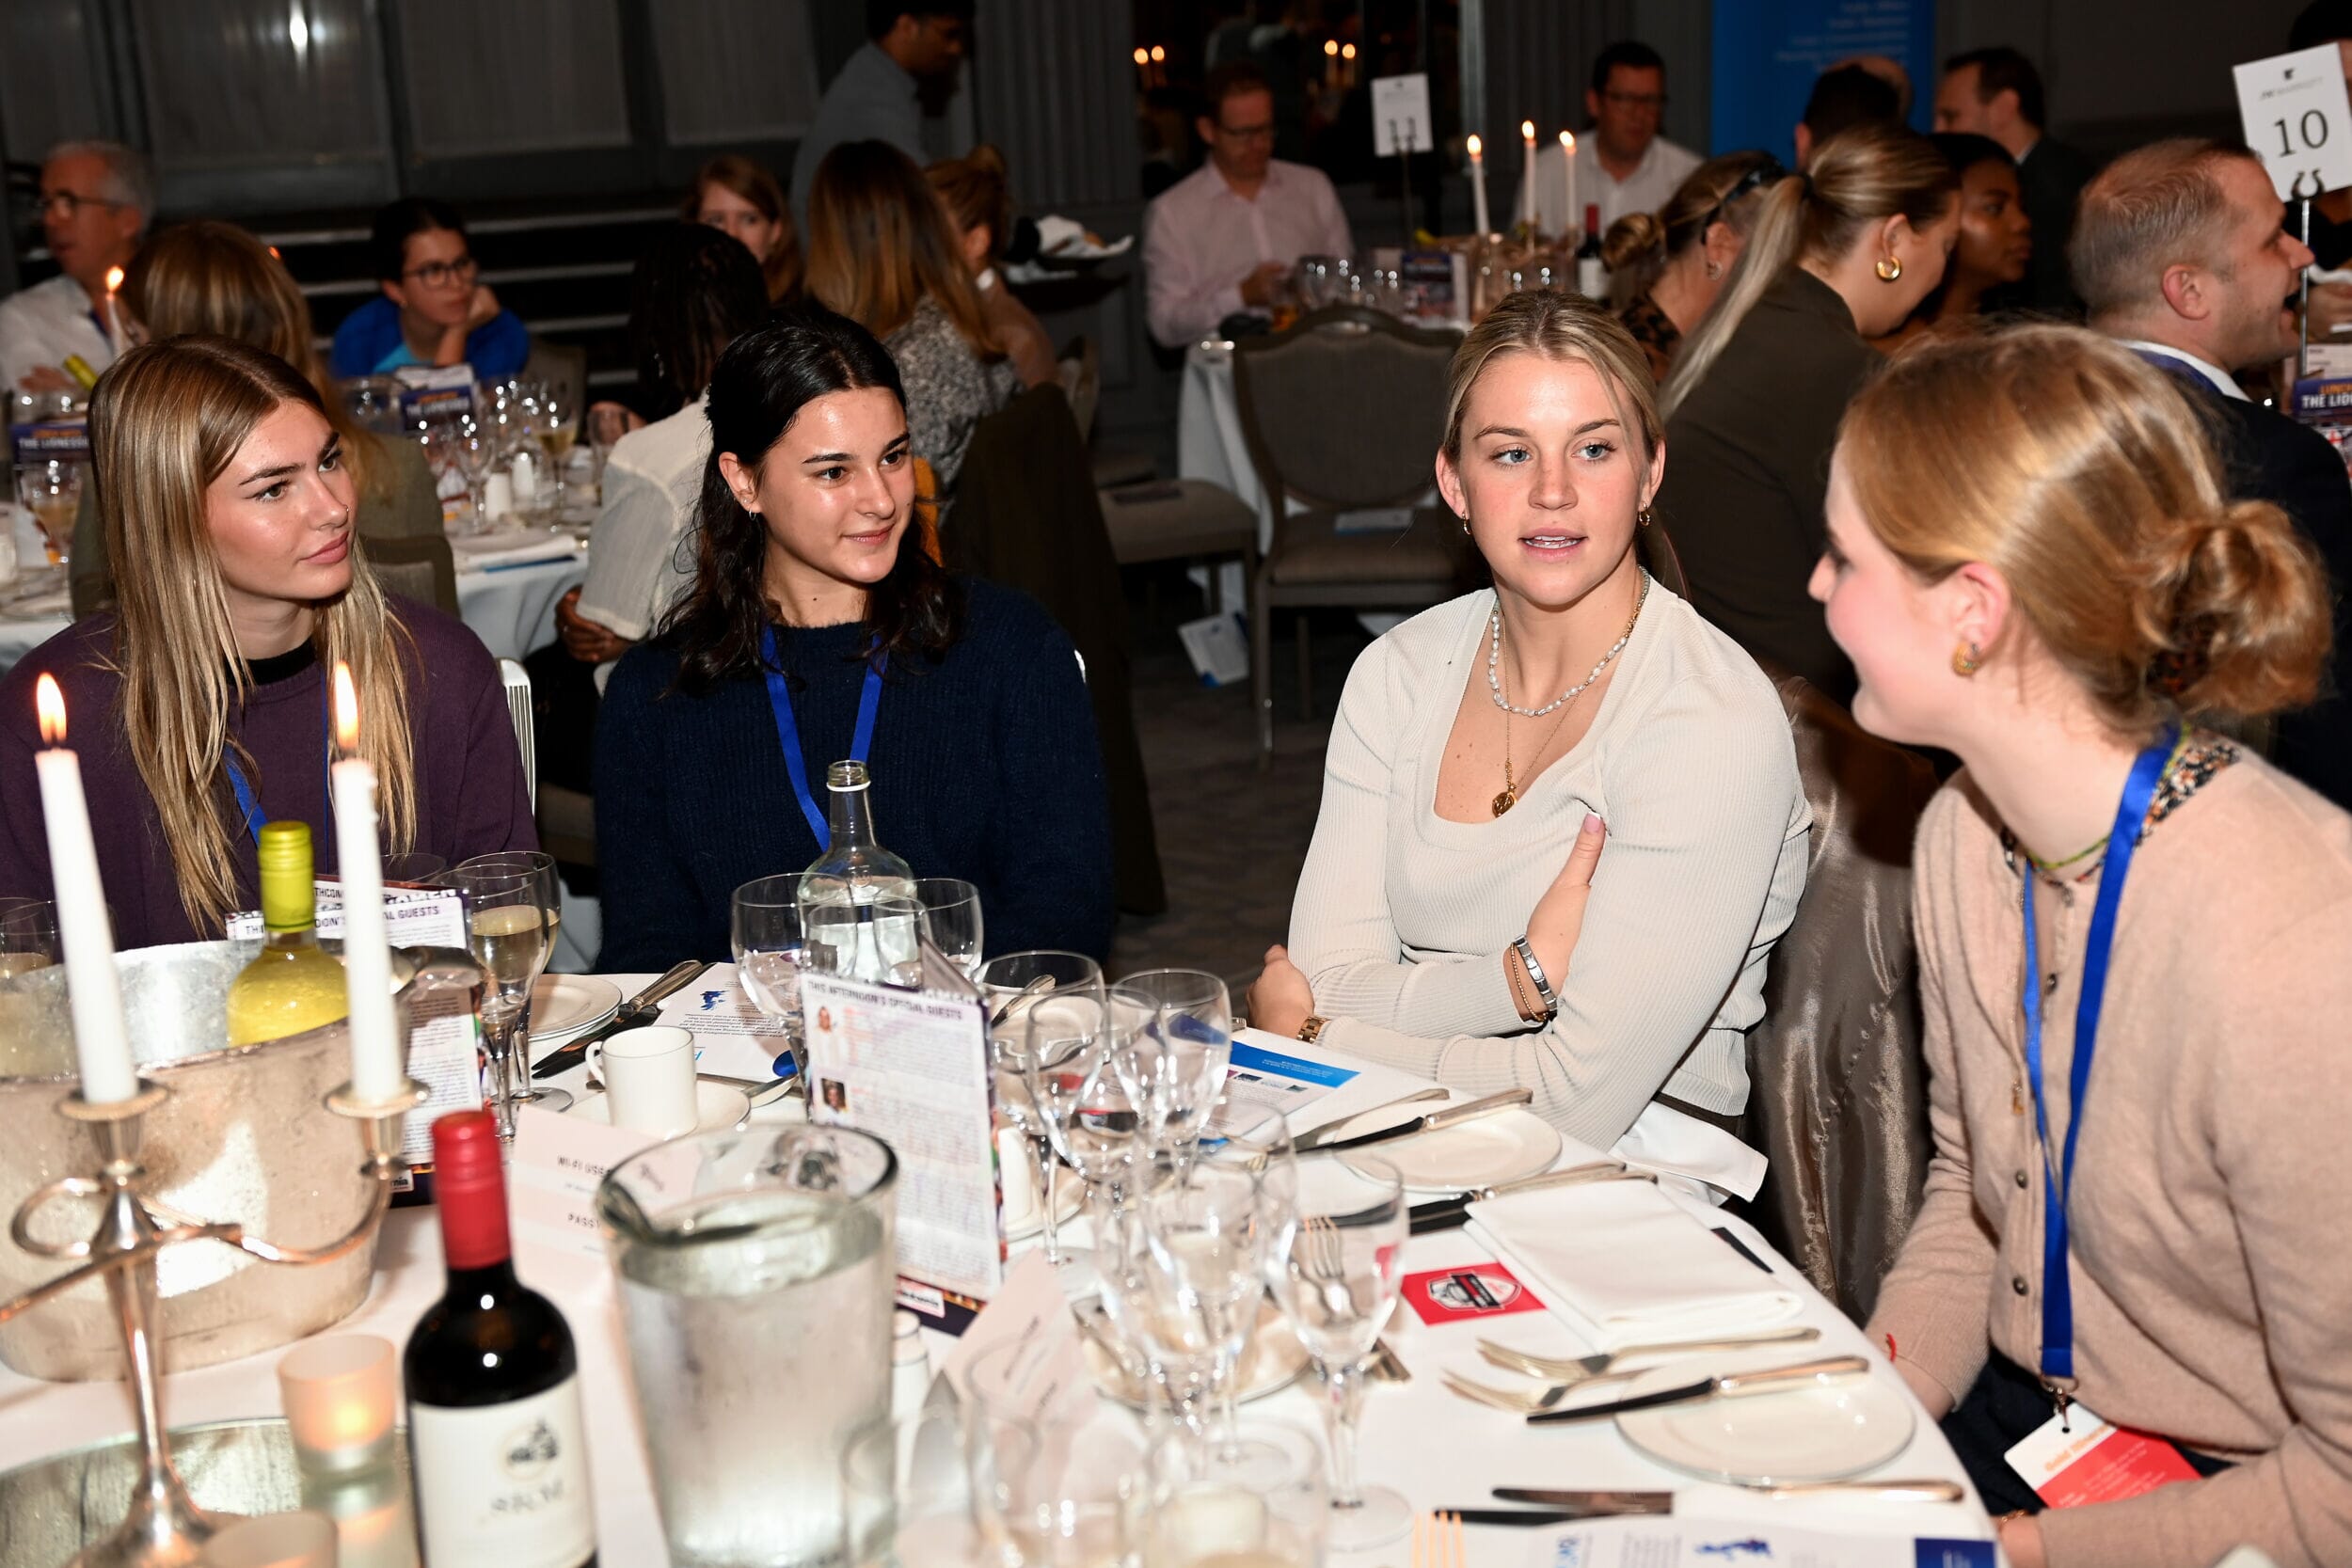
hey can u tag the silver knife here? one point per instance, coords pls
(1452, 1116)
(638, 1010)
(1769, 1380)
(1598, 1504)
(1315, 1138)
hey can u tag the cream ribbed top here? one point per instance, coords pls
(1401, 916)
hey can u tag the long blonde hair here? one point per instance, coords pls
(166, 420)
(2087, 478)
(214, 278)
(1859, 176)
(1730, 189)
(880, 242)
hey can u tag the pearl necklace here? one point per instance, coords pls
(1494, 656)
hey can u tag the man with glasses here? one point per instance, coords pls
(95, 198)
(435, 309)
(1219, 240)
(1622, 164)
(912, 50)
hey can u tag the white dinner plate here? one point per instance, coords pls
(564, 1006)
(1481, 1153)
(1820, 1432)
(716, 1106)
(1272, 1363)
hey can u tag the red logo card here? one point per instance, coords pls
(2089, 1460)
(1470, 1291)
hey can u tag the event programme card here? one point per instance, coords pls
(1653, 1542)
(553, 1169)
(1260, 1078)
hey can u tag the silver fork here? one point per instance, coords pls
(1517, 1400)
(1571, 1370)
(1324, 1258)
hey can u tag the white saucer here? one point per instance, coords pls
(716, 1106)
(1481, 1153)
(1818, 1432)
(565, 1005)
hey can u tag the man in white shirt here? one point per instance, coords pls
(1622, 164)
(1218, 240)
(95, 198)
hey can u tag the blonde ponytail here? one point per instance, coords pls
(1778, 230)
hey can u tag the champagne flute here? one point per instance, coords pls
(1334, 1272)
(506, 931)
(951, 918)
(770, 946)
(50, 490)
(538, 864)
(1010, 985)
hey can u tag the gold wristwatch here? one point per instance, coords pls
(1311, 1030)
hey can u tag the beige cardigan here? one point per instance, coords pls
(2212, 1275)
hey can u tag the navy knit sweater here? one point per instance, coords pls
(985, 766)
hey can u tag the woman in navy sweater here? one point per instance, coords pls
(983, 752)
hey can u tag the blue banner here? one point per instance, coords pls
(1768, 52)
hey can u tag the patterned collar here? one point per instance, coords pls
(2202, 754)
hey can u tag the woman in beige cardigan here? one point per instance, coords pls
(2032, 566)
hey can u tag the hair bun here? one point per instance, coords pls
(2247, 628)
(1633, 241)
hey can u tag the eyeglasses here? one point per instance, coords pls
(1769, 172)
(432, 274)
(1247, 133)
(1636, 99)
(66, 204)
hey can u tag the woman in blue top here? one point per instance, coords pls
(434, 312)
(715, 734)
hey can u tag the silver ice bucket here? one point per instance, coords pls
(244, 1136)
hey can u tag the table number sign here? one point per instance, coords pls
(1399, 116)
(2297, 120)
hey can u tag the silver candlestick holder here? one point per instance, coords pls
(164, 1527)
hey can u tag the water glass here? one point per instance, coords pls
(1174, 1037)
(1082, 1502)
(770, 946)
(1334, 1272)
(29, 935)
(1010, 985)
(1273, 1515)
(951, 919)
(1088, 1116)
(877, 940)
(930, 1490)
(757, 1281)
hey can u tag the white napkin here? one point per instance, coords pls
(508, 547)
(1624, 1264)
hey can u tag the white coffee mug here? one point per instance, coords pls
(648, 1077)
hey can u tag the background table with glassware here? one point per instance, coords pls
(1438, 1449)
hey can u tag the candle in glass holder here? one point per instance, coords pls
(101, 1042)
(1527, 180)
(340, 1393)
(376, 1070)
(1485, 221)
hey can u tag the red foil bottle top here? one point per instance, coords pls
(470, 1188)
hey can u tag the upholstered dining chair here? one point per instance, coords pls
(1837, 1096)
(1343, 414)
(419, 565)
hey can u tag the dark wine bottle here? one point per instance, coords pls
(496, 1442)
(1591, 272)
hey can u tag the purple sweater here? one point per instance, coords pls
(470, 798)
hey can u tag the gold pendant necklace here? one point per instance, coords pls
(1510, 795)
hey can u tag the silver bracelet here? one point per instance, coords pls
(1535, 972)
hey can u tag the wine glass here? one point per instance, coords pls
(537, 864)
(506, 929)
(951, 919)
(1087, 1114)
(1334, 1272)
(770, 946)
(1175, 1036)
(875, 941)
(50, 490)
(29, 935)
(1253, 1141)
(1011, 984)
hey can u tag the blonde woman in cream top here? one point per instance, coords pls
(1416, 889)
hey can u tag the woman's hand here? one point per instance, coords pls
(1558, 917)
(1281, 1000)
(2021, 1539)
(482, 309)
(589, 642)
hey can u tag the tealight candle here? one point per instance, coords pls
(339, 1394)
(102, 1041)
(376, 1069)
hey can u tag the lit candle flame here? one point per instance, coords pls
(1527, 129)
(51, 701)
(113, 279)
(1348, 50)
(1568, 143)
(1477, 148)
(1159, 54)
(1142, 54)
(346, 711)
(1330, 46)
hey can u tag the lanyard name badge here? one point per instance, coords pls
(2057, 1300)
(249, 806)
(788, 730)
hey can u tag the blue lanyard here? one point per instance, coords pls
(2058, 1295)
(789, 731)
(251, 807)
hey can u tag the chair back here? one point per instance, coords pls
(516, 680)
(1081, 367)
(418, 565)
(1345, 409)
(1838, 1100)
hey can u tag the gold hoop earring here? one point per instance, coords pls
(1889, 269)
(1463, 520)
(1645, 517)
(1714, 270)
(1967, 660)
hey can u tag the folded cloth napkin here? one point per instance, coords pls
(479, 553)
(38, 607)
(1624, 1264)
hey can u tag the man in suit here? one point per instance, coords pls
(2179, 253)
(1997, 93)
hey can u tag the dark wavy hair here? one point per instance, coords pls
(689, 296)
(762, 382)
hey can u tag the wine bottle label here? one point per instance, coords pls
(503, 1485)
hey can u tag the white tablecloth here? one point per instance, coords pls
(1427, 1442)
(1209, 441)
(512, 609)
